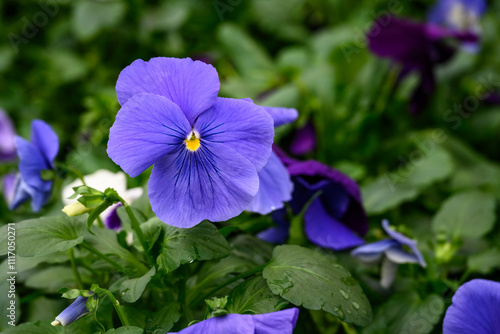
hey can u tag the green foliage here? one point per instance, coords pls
(311, 279)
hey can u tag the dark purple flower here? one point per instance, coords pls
(75, 311)
(418, 47)
(474, 309)
(275, 186)
(206, 150)
(393, 253)
(335, 219)
(281, 322)
(34, 158)
(7, 134)
(304, 140)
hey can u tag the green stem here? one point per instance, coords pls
(118, 308)
(75, 269)
(137, 228)
(102, 256)
(229, 281)
(99, 222)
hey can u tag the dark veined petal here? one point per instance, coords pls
(374, 251)
(31, 164)
(326, 231)
(275, 187)
(215, 182)
(192, 85)
(404, 240)
(282, 116)
(147, 127)
(240, 125)
(281, 322)
(474, 309)
(46, 140)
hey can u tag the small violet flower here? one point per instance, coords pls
(206, 150)
(281, 322)
(75, 311)
(474, 309)
(7, 134)
(304, 140)
(103, 179)
(335, 219)
(34, 158)
(9, 187)
(460, 15)
(392, 252)
(419, 47)
(275, 185)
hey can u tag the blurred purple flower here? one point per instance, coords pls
(35, 157)
(474, 309)
(281, 322)
(275, 185)
(418, 47)
(7, 134)
(304, 140)
(336, 219)
(70, 314)
(206, 150)
(460, 15)
(9, 187)
(392, 252)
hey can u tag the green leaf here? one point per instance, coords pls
(311, 279)
(89, 17)
(53, 278)
(383, 194)
(126, 330)
(164, 319)
(484, 262)
(132, 289)
(467, 214)
(184, 245)
(34, 328)
(36, 237)
(254, 297)
(407, 313)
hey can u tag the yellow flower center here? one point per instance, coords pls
(193, 141)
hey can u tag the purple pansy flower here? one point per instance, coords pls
(281, 322)
(461, 15)
(335, 219)
(304, 140)
(35, 157)
(474, 309)
(70, 314)
(206, 150)
(275, 185)
(7, 134)
(9, 187)
(393, 253)
(418, 47)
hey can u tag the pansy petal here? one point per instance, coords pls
(40, 198)
(9, 186)
(7, 134)
(282, 116)
(240, 125)
(304, 140)
(46, 140)
(281, 232)
(397, 255)
(402, 239)
(146, 128)
(325, 231)
(335, 199)
(215, 182)
(192, 85)
(275, 187)
(31, 164)
(227, 324)
(281, 322)
(22, 193)
(388, 273)
(73, 312)
(474, 309)
(377, 247)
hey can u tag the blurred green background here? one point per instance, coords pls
(59, 61)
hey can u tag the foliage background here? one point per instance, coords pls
(309, 55)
